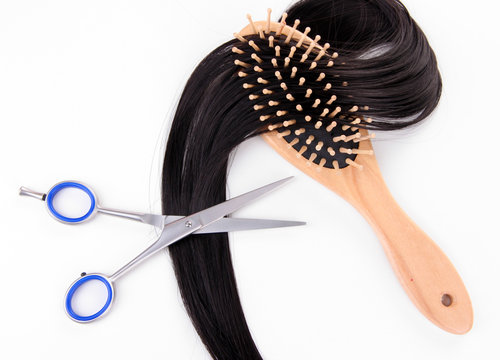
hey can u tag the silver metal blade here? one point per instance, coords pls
(216, 212)
(238, 224)
(180, 228)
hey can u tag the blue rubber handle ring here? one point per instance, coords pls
(79, 283)
(63, 185)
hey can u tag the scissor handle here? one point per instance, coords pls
(70, 184)
(74, 287)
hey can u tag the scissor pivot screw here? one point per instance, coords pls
(189, 224)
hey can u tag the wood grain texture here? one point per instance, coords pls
(422, 268)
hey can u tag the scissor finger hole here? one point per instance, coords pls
(89, 297)
(71, 202)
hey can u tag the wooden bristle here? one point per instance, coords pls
(275, 126)
(361, 152)
(330, 127)
(257, 58)
(303, 37)
(312, 157)
(239, 37)
(293, 142)
(262, 81)
(268, 22)
(237, 51)
(353, 163)
(261, 33)
(362, 138)
(290, 34)
(284, 133)
(283, 24)
(335, 112)
(332, 99)
(254, 45)
(321, 76)
(356, 121)
(322, 52)
(312, 44)
(339, 138)
(325, 112)
(352, 137)
(254, 29)
(241, 63)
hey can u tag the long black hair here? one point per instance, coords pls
(390, 68)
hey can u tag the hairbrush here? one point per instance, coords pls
(295, 87)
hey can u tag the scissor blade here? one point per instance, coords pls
(237, 224)
(232, 224)
(187, 225)
(216, 212)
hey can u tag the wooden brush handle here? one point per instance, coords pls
(425, 272)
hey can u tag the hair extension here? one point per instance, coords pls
(390, 67)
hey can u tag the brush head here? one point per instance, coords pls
(296, 89)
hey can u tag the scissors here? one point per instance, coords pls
(174, 228)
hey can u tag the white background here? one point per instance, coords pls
(87, 90)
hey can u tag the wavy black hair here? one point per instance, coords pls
(390, 67)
